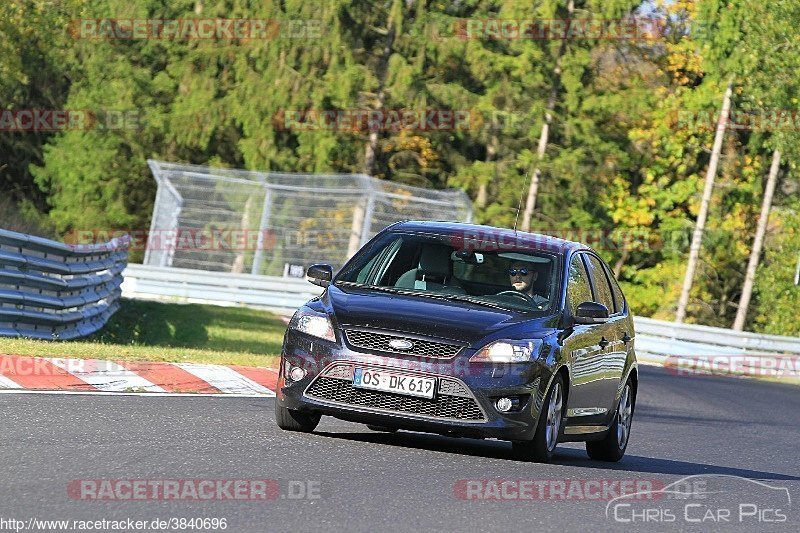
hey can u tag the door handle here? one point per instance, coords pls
(603, 343)
(625, 338)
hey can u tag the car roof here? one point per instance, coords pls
(480, 237)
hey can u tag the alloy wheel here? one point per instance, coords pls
(554, 417)
(624, 415)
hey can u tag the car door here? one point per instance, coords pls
(612, 361)
(584, 351)
(621, 306)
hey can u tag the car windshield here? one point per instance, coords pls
(434, 266)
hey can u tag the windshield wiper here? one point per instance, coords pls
(395, 290)
(473, 300)
(434, 295)
(376, 287)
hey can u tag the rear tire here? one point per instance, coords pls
(290, 420)
(613, 446)
(548, 429)
(383, 429)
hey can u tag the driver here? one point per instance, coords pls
(521, 275)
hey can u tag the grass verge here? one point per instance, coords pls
(156, 331)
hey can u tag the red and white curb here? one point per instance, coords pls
(48, 374)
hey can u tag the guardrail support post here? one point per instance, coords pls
(156, 209)
(168, 251)
(367, 226)
(155, 168)
(356, 228)
(259, 255)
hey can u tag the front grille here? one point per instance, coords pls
(370, 340)
(459, 405)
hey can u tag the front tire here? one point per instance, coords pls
(613, 446)
(290, 420)
(548, 429)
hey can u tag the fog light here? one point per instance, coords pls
(504, 404)
(297, 373)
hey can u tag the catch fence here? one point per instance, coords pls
(278, 223)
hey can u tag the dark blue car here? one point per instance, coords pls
(466, 330)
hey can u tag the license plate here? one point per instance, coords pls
(385, 381)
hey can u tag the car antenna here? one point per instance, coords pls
(519, 205)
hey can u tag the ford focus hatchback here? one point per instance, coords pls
(466, 330)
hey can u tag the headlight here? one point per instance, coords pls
(508, 351)
(313, 323)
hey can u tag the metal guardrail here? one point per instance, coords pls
(184, 285)
(655, 339)
(659, 340)
(52, 290)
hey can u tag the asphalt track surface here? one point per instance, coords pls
(740, 436)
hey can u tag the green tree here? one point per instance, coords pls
(34, 74)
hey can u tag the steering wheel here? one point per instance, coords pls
(518, 294)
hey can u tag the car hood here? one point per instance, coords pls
(459, 321)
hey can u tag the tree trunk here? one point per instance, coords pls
(755, 253)
(697, 236)
(372, 143)
(533, 188)
(483, 195)
(621, 262)
(797, 271)
(483, 188)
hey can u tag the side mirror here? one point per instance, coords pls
(591, 313)
(320, 275)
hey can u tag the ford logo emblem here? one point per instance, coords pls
(401, 344)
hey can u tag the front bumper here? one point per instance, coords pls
(464, 404)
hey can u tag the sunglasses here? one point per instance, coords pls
(515, 271)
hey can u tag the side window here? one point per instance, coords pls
(601, 286)
(364, 272)
(619, 299)
(368, 273)
(400, 257)
(578, 289)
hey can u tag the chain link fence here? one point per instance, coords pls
(278, 223)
